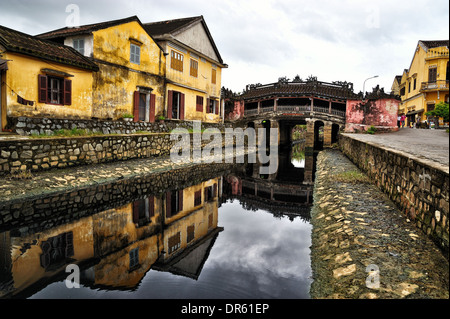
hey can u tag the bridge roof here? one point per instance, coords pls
(313, 88)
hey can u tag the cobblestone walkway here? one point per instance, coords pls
(354, 226)
(61, 180)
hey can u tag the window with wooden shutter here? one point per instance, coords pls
(432, 74)
(181, 115)
(169, 104)
(194, 68)
(42, 83)
(198, 198)
(176, 61)
(136, 106)
(208, 106)
(199, 104)
(67, 92)
(190, 233)
(213, 76)
(152, 108)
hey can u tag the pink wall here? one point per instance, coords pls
(381, 113)
(238, 111)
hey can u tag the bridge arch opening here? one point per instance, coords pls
(266, 124)
(318, 135)
(335, 133)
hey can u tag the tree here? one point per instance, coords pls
(440, 110)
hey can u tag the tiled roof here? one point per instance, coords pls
(89, 28)
(18, 42)
(316, 88)
(169, 26)
(84, 29)
(172, 27)
(435, 43)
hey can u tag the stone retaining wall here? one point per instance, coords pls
(40, 154)
(29, 126)
(421, 190)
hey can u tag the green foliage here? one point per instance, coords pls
(371, 130)
(127, 116)
(353, 176)
(440, 110)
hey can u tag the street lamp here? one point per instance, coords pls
(364, 85)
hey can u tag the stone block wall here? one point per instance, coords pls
(29, 126)
(43, 154)
(419, 189)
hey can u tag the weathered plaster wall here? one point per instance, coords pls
(114, 87)
(420, 190)
(22, 78)
(119, 78)
(381, 113)
(190, 105)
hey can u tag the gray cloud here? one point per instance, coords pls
(336, 40)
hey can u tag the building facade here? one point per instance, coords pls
(193, 69)
(131, 67)
(426, 82)
(41, 78)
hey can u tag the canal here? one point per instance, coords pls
(230, 234)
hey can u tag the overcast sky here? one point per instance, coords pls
(262, 40)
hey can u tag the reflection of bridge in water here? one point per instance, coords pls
(288, 192)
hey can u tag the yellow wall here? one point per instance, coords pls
(114, 86)
(416, 99)
(192, 215)
(192, 86)
(26, 267)
(22, 77)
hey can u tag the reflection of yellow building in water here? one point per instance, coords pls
(117, 247)
(426, 82)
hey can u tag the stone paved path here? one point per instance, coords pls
(63, 179)
(430, 145)
(355, 225)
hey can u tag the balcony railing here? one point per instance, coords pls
(434, 86)
(292, 109)
(435, 53)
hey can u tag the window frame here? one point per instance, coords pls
(176, 61)
(193, 70)
(46, 88)
(134, 258)
(214, 75)
(76, 45)
(136, 54)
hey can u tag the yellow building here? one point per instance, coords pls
(132, 67)
(43, 79)
(426, 82)
(193, 69)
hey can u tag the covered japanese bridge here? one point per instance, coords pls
(321, 106)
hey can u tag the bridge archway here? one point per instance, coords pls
(334, 133)
(319, 135)
(285, 131)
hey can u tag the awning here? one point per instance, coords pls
(56, 73)
(414, 112)
(3, 64)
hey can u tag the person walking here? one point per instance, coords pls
(402, 120)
